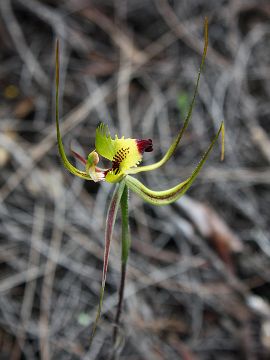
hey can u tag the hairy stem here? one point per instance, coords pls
(120, 302)
(125, 253)
(110, 221)
(125, 225)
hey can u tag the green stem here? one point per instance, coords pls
(125, 225)
(120, 302)
(125, 253)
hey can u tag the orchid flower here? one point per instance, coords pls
(125, 156)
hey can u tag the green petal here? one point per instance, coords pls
(61, 149)
(172, 148)
(168, 196)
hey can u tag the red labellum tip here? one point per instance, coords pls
(144, 145)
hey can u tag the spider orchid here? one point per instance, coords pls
(125, 156)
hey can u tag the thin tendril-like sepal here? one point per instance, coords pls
(110, 221)
(67, 164)
(172, 148)
(168, 196)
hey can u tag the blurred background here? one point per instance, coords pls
(198, 275)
